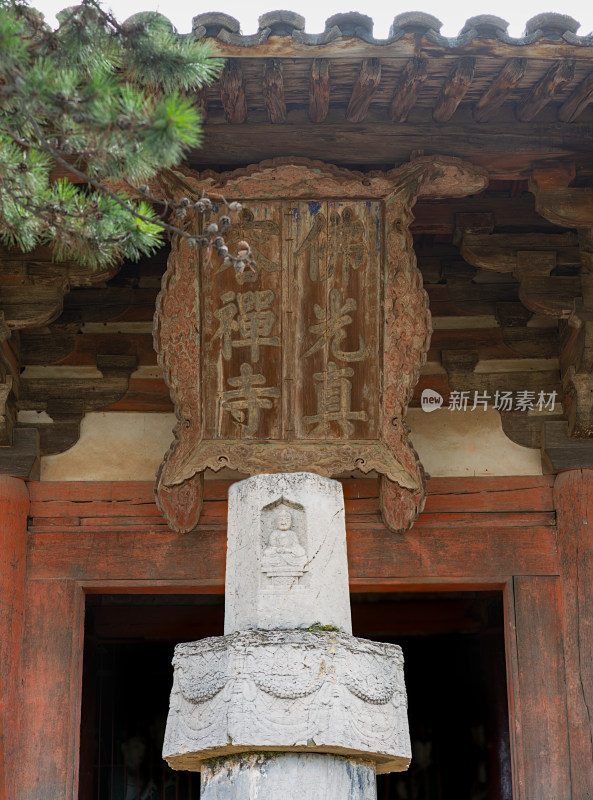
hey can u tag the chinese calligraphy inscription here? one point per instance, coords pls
(307, 363)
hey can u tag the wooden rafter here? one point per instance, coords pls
(556, 78)
(232, 92)
(407, 89)
(454, 89)
(578, 101)
(365, 87)
(492, 99)
(273, 89)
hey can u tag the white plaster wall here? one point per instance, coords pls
(113, 446)
(122, 446)
(467, 443)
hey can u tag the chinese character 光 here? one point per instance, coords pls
(342, 238)
(254, 322)
(334, 401)
(330, 328)
(246, 400)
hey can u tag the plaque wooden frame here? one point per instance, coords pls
(406, 331)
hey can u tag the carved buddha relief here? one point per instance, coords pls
(284, 558)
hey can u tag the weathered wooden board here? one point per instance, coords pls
(334, 292)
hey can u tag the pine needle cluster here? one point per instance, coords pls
(98, 101)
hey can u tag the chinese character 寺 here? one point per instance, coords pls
(254, 322)
(331, 326)
(334, 401)
(246, 400)
(342, 239)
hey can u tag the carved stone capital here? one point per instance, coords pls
(300, 691)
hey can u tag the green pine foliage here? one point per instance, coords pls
(102, 102)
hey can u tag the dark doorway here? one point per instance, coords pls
(455, 675)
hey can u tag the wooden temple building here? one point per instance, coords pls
(345, 152)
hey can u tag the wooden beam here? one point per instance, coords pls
(493, 98)
(407, 89)
(556, 78)
(578, 101)
(499, 251)
(364, 89)
(21, 459)
(560, 452)
(273, 89)
(32, 286)
(232, 92)
(506, 151)
(454, 89)
(570, 207)
(319, 89)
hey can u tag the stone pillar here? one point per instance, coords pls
(287, 703)
(14, 507)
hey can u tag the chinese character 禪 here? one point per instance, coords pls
(254, 322)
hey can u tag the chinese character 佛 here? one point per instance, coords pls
(341, 239)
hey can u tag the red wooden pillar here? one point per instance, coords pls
(537, 689)
(573, 495)
(14, 507)
(51, 676)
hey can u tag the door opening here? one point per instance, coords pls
(453, 646)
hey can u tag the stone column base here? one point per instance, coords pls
(289, 776)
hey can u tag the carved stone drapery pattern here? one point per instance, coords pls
(326, 393)
(288, 690)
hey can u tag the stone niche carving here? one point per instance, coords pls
(290, 691)
(286, 554)
(283, 543)
(307, 363)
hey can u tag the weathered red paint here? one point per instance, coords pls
(14, 506)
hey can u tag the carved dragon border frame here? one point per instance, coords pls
(404, 337)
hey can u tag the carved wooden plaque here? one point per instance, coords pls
(307, 363)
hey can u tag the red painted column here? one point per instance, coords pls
(573, 499)
(14, 507)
